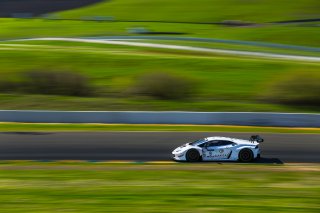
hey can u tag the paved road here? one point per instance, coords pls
(180, 47)
(142, 146)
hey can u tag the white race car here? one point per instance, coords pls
(219, 149)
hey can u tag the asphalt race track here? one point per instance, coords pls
(143, 146)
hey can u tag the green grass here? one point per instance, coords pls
(223, 83)
(258, 11)
(12, 127)
(42, 102)
(21, 28)
(85, 187)
(200, 10)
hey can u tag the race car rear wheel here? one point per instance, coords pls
(245, 155)
(193, 155)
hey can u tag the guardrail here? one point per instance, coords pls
(163, 117)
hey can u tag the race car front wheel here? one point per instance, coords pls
(193, 155)
(245, 155)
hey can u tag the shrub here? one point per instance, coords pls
(56, 83)
(8, 85)
(297, 89)
(48, 82)
(164, 86)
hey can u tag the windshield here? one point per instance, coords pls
(198, 142)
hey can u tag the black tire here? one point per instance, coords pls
(193, 155)
(245, 155)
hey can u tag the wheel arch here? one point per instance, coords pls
(193, 149)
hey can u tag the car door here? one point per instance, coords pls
(210, 151)
(224, 148)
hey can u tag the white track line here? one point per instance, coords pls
(187, 48)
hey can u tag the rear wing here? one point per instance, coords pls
(256, 138)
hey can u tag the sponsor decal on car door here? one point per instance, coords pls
(215, 152)
(225, 151)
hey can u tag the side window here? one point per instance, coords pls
(216, 143)
(212, 143)
(225, 143)
(203, 145)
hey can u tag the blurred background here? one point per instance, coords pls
(148, 72)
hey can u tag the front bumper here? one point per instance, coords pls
(178, 157)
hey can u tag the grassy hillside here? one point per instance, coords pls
(126, 11)
(225, 83)
(201, 10)
(289, 34)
